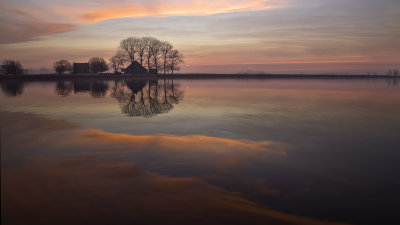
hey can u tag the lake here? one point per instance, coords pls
(200, 151)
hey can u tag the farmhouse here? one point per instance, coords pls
(135, 68)
(80, 68)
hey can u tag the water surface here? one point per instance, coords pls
(216, 151)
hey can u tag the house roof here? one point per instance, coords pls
(135, 67)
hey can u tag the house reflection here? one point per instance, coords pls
(137, 97)
(96, 88)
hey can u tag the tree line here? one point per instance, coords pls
(96, 65)
(149, 52)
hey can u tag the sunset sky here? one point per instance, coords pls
(225, 36)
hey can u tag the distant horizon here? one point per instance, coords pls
(251, 69)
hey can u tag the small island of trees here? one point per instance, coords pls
(149, 52)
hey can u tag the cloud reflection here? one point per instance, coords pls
(52, 187)
(186, 143)
(92, 192)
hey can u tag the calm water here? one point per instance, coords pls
(200, 152)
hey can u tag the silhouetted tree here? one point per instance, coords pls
(117, 61)
(154, 49)
(149, 51)
(97, 65)
(143, 43)
(12, 67)
(129, 47)
(175, 58)
(165, 50)
(62, 66)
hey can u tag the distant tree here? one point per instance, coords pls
(97, 65)
(62, 66)
(175, 58)
(11, 67)
(117, 61)
(165, 51)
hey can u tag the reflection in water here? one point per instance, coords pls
(147, 99)
(64, 88)
(72, 182)
(392, 82)
(322, 149)
(96, 88)
(137, 97)
(12, 88)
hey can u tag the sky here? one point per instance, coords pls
(226, 36)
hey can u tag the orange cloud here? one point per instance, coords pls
(174, 8)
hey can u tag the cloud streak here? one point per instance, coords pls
(20, 25)
(176, 8)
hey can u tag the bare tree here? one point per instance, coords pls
(129, 47)
(150, 41)
(62, 66)
(175, 58)
(142, 47)
(150, 51)
(97, 65)
(154, 49)
(165, 51)
(117, 61)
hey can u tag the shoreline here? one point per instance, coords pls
(189, 76)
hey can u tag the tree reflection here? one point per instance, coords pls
(12, 88)
(137, 97)
(392, 82)
(147, 98)
(64, 88)
(98, 88)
